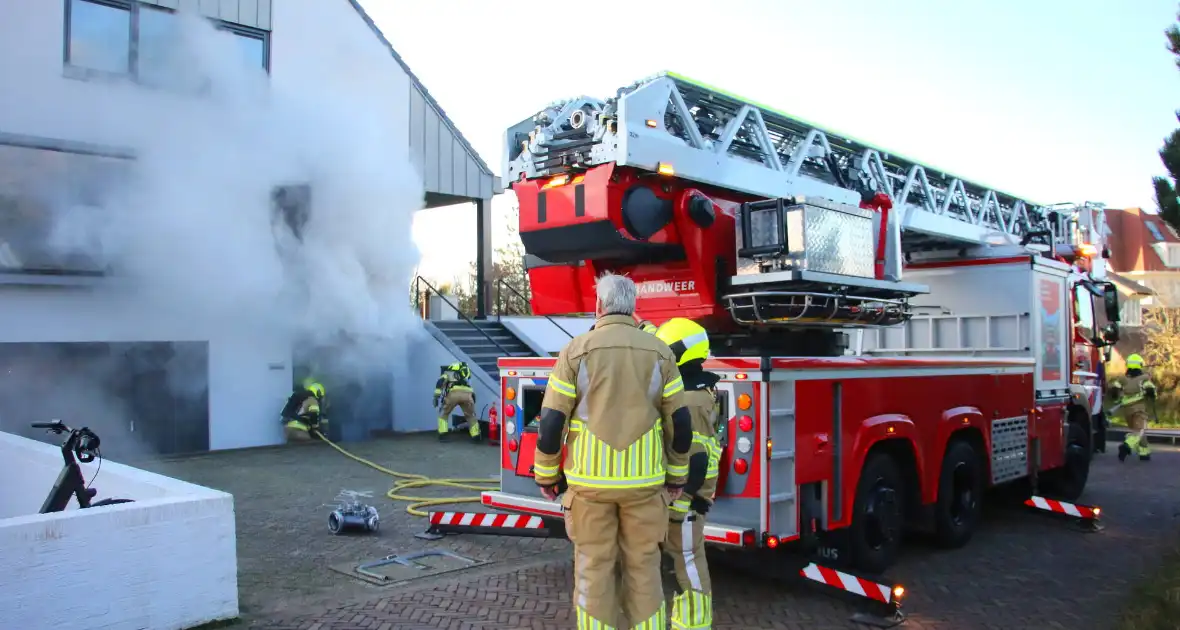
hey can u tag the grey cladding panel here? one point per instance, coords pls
(228, 11)
(474, 174)
(459, 160)
(211, 8)
(430, 161)
(485, 186)
(248, 12)
(168, 4)
(190, 5)
(243, 12)
(446, 168)
(264, 14)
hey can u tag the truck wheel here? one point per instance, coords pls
(960, 494)
(877, 515)
(1068, 482)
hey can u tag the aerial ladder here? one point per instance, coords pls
(671, 124)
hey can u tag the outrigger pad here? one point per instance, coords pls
(879, 594)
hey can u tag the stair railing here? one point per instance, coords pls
(419, 281)
(502, 284)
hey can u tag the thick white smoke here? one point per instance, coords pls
(190, 233)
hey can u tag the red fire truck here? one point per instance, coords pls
(892, 339)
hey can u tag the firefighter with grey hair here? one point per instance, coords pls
(615, 399)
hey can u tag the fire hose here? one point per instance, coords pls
(410, 481)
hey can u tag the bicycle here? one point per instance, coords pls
(82, 445)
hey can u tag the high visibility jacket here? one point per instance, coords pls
(705, 445)
(1130, 391)
(619, 397)
(451, 380)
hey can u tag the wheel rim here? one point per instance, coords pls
(882, 516)
(963, 493)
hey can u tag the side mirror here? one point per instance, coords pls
(1110, 299)
(1110, 334)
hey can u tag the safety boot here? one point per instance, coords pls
(1124, 451)
(1145, 458)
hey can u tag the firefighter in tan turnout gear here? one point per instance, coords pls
(453, 389)
(685, 544)
(616, 400)
(1131, 390)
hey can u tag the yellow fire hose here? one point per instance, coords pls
(410, 481)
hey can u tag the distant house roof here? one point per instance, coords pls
(1133, 232)
(1130, 285)
(422, 88)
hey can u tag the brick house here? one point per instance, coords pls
(1145, 265)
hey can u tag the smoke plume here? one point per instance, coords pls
(188, 232)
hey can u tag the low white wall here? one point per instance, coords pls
(167, 561)
(542, 335)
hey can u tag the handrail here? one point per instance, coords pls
(499, 311)
(417, 296)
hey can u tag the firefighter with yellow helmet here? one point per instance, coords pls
(685, 542)
(303, 415)
(1131, 391)
(453, 389)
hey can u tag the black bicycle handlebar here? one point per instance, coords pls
(83, 442)
(56, 426)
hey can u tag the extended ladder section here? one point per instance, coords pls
(713, 137)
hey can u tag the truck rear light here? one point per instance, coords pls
(511, 372)
(744, 401)
(746, 423)
(740, 466)
(744, 445)
(509, 411)
(741, 376)
(771, 541)
(510, 393)
(512, 446)
(748, 539)
(510, 427)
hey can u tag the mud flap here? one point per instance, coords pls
(491, 524)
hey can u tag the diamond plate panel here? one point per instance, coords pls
(1009, 449)
(830, 238)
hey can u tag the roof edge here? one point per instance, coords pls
(356, 5)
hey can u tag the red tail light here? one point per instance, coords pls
(771, 541)
(748, 539)
(509, 411)
(746, 423)
(512, 445)
(740, 466)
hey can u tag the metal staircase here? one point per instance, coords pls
(672, 124)
(484, 342)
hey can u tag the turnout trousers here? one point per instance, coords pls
(1136, 439)
(464, 400)
(616, 536)
(685, 546)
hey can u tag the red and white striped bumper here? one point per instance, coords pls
(481, 519)
(848, 583)
(1061, 507)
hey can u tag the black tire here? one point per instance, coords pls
(110, 502)
(1068, 482)
(960, 496)
(1099, 421)
(878, 515)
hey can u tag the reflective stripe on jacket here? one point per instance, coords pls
(617, 387)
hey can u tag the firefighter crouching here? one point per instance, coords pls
(303, 414)
(616, 398)
(685, 543)
(1131, 391)
(453, 389)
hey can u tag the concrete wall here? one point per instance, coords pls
(413, 384)
(166, 561)
(542, 335)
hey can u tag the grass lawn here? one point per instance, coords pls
(1155, 603)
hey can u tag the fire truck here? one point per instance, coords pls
(893, 339)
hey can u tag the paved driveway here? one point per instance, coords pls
(1021, 571)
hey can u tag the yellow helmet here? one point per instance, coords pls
(647, 327)
(688, 339)
(315, 388)
(1134, 362)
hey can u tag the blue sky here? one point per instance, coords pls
(1053, 100)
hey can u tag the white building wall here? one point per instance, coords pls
(250, 370)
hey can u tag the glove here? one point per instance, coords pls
(699, 505)
(435, 401)
(1149, 392)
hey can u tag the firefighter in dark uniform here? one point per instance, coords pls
(303, 415)
(453, 389)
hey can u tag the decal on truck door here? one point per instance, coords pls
(1051, 323)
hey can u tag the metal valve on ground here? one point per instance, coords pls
(352, 515)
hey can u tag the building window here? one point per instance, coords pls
(99, 36)
(1155, 231)
(124, 37)
(1131, 312)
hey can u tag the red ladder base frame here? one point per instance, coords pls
(881, 594)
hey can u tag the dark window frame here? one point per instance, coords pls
(133, 8)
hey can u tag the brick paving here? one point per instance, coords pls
(1022, 570)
